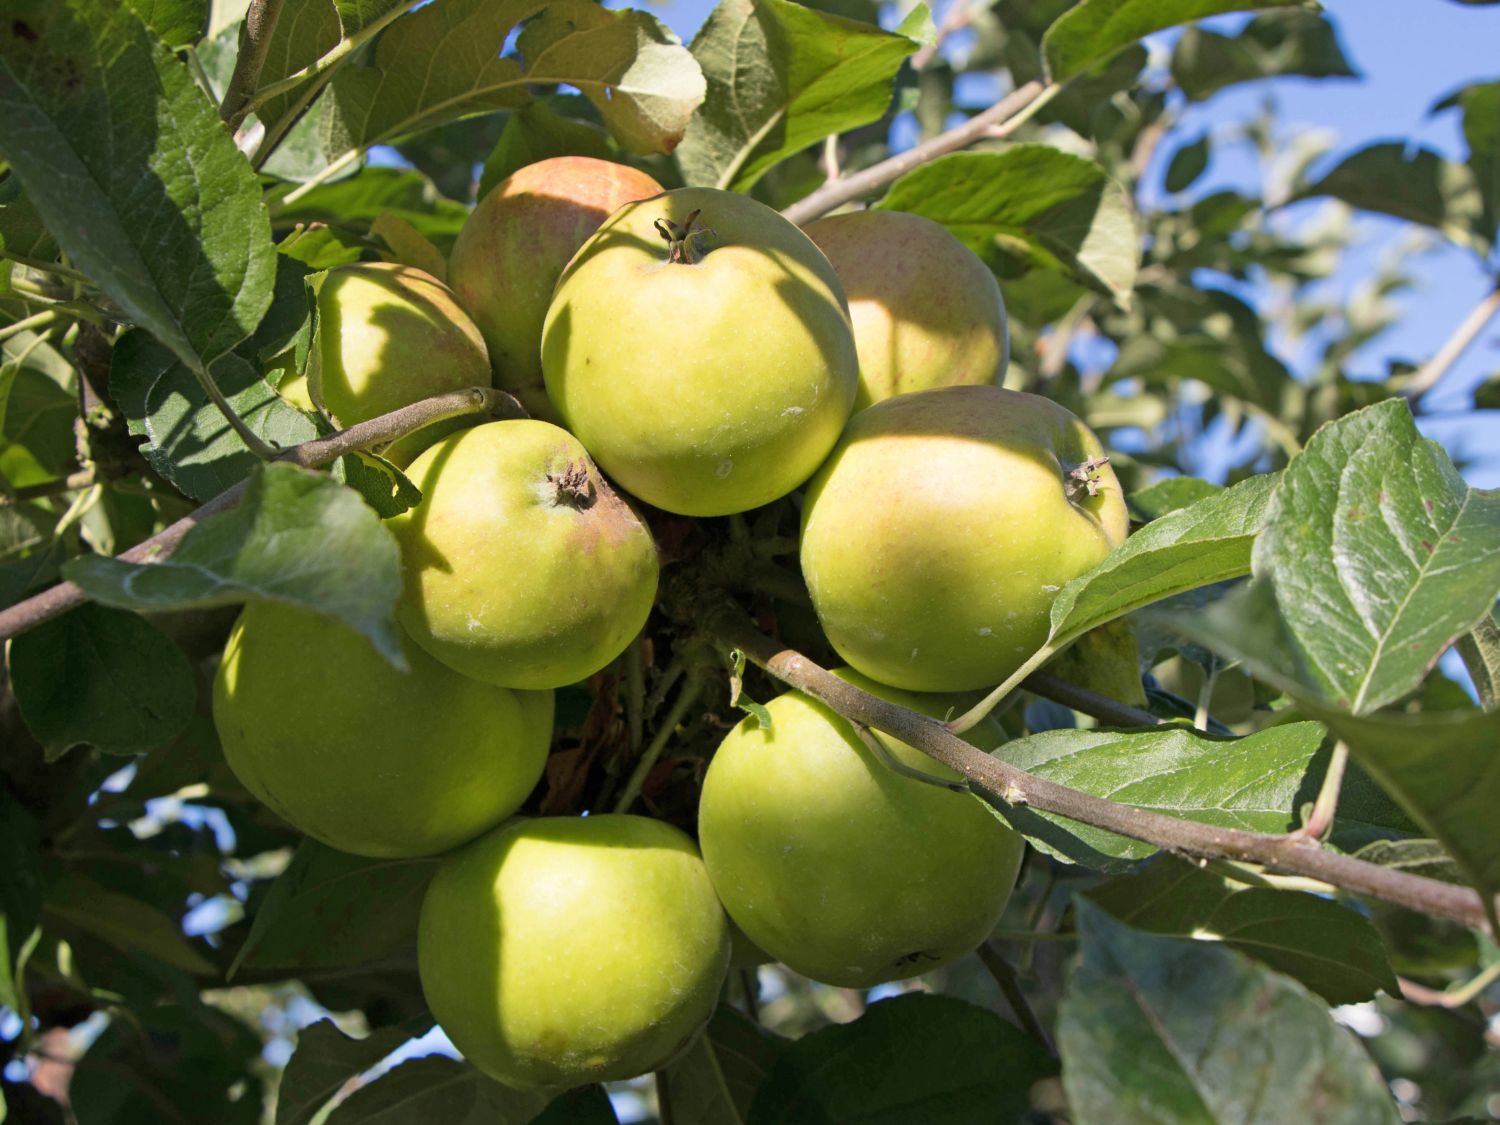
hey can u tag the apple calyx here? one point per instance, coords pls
(572, 487)
(1083, 480)
(684, 244)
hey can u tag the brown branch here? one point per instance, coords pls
(70, 483)
(1455, 346)
(255, 41)
(1002, 781)
(64, 596)
(1010, 987)
(1009, 113)
(1106, 710)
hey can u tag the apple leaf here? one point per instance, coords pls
(326, 1060)
(1331, 949)
(545, 128)
(1415, 184)
(714, 1081)
(917, 1057)
(1168, 496)
(20, 895)
(780, 78)
(1291, 42)
(583, 1105)
(296, 537)
(1379, 554)
(1155, 1029)
(436, 1088)
(1093, 30)
(644, 83)
(176, 23)
(328, 909)
(130, 167)
(102, 678)
(1029, 206)
(1480, 103)
(123, 921)
(1188, 163)
(1480, 649)
(1255, 783)
(1417, 857)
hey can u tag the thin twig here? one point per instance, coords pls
(55, 268)
(1009, 113)
(1010, 986)
(255, 42)
(64, 596)
(692, 688)
(1464, 335)
(70, 483)
(1320, 820)
(44, 319)
(1101, 707)
(1455, 996)
(992, 775)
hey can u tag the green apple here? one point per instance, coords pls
(365, 758)
(710, 372)
(567, 950)
(389, 336)
(835, 864)
(514, 246)
(937, 535)
(523, 567)
(926, 311)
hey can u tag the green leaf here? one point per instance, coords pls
(21, 228)
(20, 896)
(1207, 542)
(1379, 554)
(1168, 496)
(436, 1089)
(1094, 30)
(124, 922)
(715, 1080)
(1480, 103)
(37, 442)
(326, 1060)
(644, 83)
(384, 486)
(99, 677)
(176, 23)
(1255, 784)
(357, 202)
(296, 537)
(780, 78)
(408, 246)
(917, 1057)
(131, 168)
(1292, 42)
(1416, 857)
(1188, 163)
(543, 129)
(1331, 949)
(328, 909)
(1029, 206)
(1480, 649)
(1415, 184)
(1155, 1029)
(188, 440)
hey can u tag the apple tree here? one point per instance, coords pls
(450, 450)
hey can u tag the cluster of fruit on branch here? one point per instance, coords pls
(687, 352)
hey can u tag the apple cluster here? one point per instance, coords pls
(689, 351)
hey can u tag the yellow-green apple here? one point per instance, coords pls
(368, 759)
(699, 346)
(514, 246)
(938, 533)
(926, 311)
(567, 950)
(523, 567)
(835, 864)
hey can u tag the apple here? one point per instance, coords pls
(365, 758)
(388, 336)
(926, 311)
(514, 246)
(567, 950)
(699, 346)
(523, 568)
(938, 533)
(838, 866)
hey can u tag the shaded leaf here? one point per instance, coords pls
(715, 1080)
(357, 202)
(384, 486)
(124, 922)
(437, 1089)
(1294, 42)
(408, 246)
(296, 537)
(1416, 857)
(129, 165)
(1480, 649)
(1156, 1029)
(1029, 206)
(177, 23)
(1256, 783)
(20, 895)
(543, 129)
(103, 678)
(917, 1057)
(1188, 163)
(587, 1105)
(780, 78)
(1331, 949)
(328, 909)
(1167, 496)
(326, 1059)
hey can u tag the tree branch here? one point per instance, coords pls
(255, 41)
(1002, 781)
(1106, 710)
(1464, 335)
(1006, 115)
(64, 596)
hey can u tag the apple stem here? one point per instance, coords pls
(877, 746)
(684, 244)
